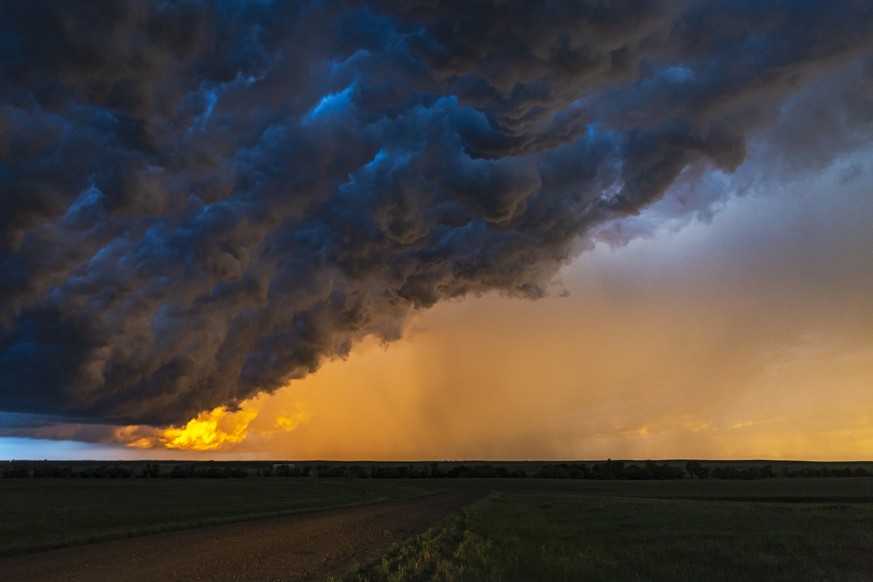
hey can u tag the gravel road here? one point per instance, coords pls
(299, 547)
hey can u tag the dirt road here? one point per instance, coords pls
(301, 547)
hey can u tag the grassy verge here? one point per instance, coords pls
(561, 533)
(45, 514)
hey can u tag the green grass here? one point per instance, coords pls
(41, 514)
(819, 529)
(525, 529)
(817, 489)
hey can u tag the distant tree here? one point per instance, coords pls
(183, 471)
(458, 471)
(667, 471)
(214, 471)
(151, 470)
(601, 471)
(236, 472)
(52, 472)
(696, 470)
(635, 472)
(15, 471)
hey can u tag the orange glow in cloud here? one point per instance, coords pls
(210, 430)
(214, 429)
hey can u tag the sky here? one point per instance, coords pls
(410, 230)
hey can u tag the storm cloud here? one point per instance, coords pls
(201, 201)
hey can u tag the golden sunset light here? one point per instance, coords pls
(519, 255)
(368, 290)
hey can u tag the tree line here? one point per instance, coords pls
(605, 470)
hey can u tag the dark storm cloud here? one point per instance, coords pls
(202, 200)
(42, 427)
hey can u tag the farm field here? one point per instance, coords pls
(42, 514)
(307, 546)
(816, 529)
(518, 529)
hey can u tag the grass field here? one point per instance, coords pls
(819, 529)
(524, 529)
(47, 513)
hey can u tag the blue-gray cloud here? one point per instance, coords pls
(202, 200)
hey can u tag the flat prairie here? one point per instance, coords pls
(307, 546)
(788, 528)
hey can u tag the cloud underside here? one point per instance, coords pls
(201, 201)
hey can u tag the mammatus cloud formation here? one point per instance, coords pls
(200, 201)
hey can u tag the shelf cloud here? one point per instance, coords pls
(201, 201)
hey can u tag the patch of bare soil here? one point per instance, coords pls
(300, 547)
